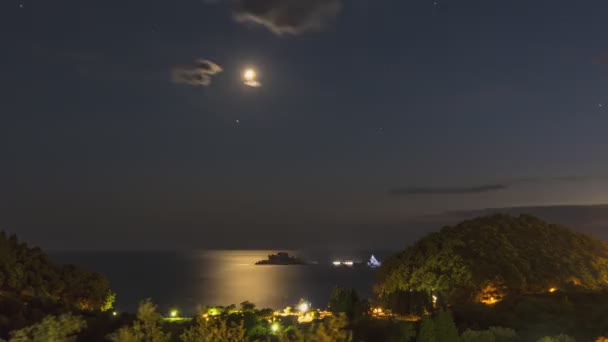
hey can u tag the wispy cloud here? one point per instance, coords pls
(484, 188)
(288, 16)
(477, 189)
(198, 74)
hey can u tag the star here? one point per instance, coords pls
(237, 121)
(20, 5)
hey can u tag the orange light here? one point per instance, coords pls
(490, 301)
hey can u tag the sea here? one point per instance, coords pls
(191, 280)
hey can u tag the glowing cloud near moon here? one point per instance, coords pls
(250, 78)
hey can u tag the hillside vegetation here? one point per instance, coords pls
(31, 285)
(489, 258)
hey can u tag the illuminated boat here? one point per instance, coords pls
(373, 262)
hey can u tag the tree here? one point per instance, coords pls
(247, 306)
(26, 272)
(331, 329)
(124, 334)
(60, 329)
(214, 330)
(291, 334)
(347, 301)
(146, 328)
(438, 329)
(445, 329)
(493, 334)
(404, 332)
(427, 331)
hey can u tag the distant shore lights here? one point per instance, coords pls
(372, 263)
(348, 263)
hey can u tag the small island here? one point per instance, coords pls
(281, 258)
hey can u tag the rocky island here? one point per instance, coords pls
(281, 258)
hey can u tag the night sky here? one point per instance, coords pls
(126, 124)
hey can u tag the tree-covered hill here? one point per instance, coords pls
(30, 284)
(487, 258)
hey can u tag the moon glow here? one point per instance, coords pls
(250, 78)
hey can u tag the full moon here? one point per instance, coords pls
(249, 75)
(250, 78)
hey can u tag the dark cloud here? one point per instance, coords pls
(410, 191)
(501, 185)
(288, 16)
(197, 74)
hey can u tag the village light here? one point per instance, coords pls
(303, 307)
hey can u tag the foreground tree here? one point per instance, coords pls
(493, 334)
(214, 330)
(331, 329)
(146, 328)
(438, 329)
(445, 329)
(427, 331)
(59, 329)
(347, 301)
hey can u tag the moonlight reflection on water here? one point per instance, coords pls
(233, 277)
(219, 277)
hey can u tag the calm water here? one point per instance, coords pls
(187, 280)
